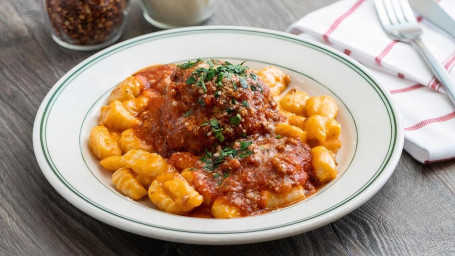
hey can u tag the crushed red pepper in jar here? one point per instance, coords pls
(86, 22)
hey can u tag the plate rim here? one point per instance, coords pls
(365, 192)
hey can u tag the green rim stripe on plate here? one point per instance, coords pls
(151, 37)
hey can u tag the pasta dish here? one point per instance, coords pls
(209, 138)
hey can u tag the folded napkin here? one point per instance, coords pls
(427, 115)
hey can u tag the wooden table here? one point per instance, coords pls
(413, 214)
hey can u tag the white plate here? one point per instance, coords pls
(371, 135)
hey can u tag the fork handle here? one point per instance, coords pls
(438, 70)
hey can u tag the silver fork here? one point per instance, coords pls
(399, 22)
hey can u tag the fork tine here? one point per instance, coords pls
(398, 11)
(382, 14)
(407, 11)
(390, 11)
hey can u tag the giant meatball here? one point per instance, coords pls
(210, 103)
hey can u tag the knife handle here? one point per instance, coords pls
(438, 70)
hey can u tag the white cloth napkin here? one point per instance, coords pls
(428, 117)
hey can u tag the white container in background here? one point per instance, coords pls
(177, 13)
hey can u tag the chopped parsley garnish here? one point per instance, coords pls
(201, 102)
(210, 74)
(191, 80)
(245, 104)
(214, 122)
(189, 64)
(219, 80)
(260, 87)
(229, 110)
(217, 130)
(278, 136)
(245, 144)
(246, 153)
(213, 160)
(234, 85)
(204, 124)
(216, 175)
(188, 113)
(218, 134)
(235, 120)
(254, 76)
(201, 83)
(225, 174)
(243, 83)
(223, 70)
(200, 70)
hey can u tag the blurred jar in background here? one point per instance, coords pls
(86, 24)
(177, 13)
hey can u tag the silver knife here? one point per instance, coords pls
(431, 10)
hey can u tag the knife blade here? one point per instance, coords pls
(431, 10)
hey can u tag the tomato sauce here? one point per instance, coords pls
(222, 131)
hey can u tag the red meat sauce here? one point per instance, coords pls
(237, 156)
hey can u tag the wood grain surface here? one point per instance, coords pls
(413, 214)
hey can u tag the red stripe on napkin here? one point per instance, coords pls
(429, 121)
(384, 52)
(340, 19)
(407, 89)
(433, 82)
(449, 64)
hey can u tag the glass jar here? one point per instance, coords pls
(177, 13)
(86, 24)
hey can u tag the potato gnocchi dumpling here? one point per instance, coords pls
(116, 117)
(103, 143)
(170, 192)
(323, 131)
(276, 79)
(128, 89)
(125, 180)
(272, 200)
(221, 209)
(128, 140)
(324, 164)
(287, 130)
(294, 101)
(322, 105)
(136, 105)
(112, 163)
(264, 154)
(145, 163)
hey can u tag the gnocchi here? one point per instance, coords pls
(103, 143)
(276, 79)
(125, 180)
(128, 89)
(116, 117)
(261, 154)
(294, 101)
(145, 163)
(128, 140)
(170, 192)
